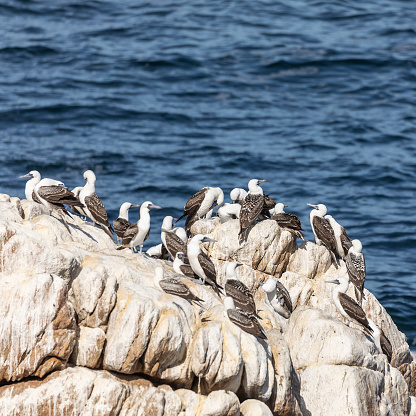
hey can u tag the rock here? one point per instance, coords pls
(16, 203)
(37, 324)
(253, 407)
(32, 209)
(409, 373)
(10, 213)
(4, 198)
(221, 403)
(191, 401)
(89, 346)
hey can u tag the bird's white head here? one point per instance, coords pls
(148, 205)
(279, 208)
(180, 255)
(228, 303)
(253, 186)
(235, 194)
(270, 285)
(341, 282)
(219, 196)
(356, 246)
(33, 174)
(320, 207)
(89, 176)
(181, 233)
(167, 223)
(230, 269)
(200, 238)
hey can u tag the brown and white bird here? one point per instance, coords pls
(346, 305)
(180, 267)
(227, 212)
(342, 240)
(236, 289)
(322, 229)
(201, 264)
(138, 233)
(53, 195)
(237, 195)
(34, 178)
(174, 244)
(78, 209)
(382, 342)
(356, 268)
(175, 287)
(122, 222)
(278, 297)
(252, 207)
(93, 206)
(287, 221)
(243, 319)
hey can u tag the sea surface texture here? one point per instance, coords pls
(162, 98)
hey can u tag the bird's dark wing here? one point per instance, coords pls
(356, 269)
(287, 220)
(97, 209)
(194, 202)
(174, 245)
(176, 287)
(325, 232)
(354, 310)
(345, 241)
(286, 296)
(269, 203)
(208, 266)
(241, 295)
(120, 225)
(58, 195)
(35, 198)
(386, 345)
(250, 211)
(247, 322)
(187, 271)
(129, 234)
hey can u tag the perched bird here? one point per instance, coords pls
(252, 207)
(175, 287)
(138, 233)
(356, 268)
(174, 244)
(382, 342)
(34, 179)
(289, 222)
(156, 251)
(227, 212)
(346, 305)
(121, 224)
(93, 206)
(237, 195)
(240, 293)
(53, 195)
(342, 241)
(180, 267)
(75, 208)
(322, 229)
(278, 297)
(201, 264)
(243, 319)
(167, 225)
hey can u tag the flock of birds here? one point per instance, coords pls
(184, 248)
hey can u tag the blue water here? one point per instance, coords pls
(162, 98)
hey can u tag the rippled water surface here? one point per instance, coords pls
(162, 98)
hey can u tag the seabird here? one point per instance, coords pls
(240, 293)
(252, 207)
(138, 233)
(155, 251)
(175, 287)
(93, 206)
(228, 212)
(278, 297)
(199, 204)
(322, 229)
(201, 264)
(34, 179)
(243, 319)
(181, 233)
(121, 224)
(268, 204)
(343, 242)
(174, 244)
(180, 267)
(356, 268)
(287, 221)
(382, 342)
(346, 305)
(53, 195)
(237, 195)
(75, 208)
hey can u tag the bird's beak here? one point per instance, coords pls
(263, 180)
(260, 283)
(285, 206)
(238, 265)
(164, 230)
(152, 206)
(175, 219)
(28, 175)
(208, 240)
(135, 206)
(336, 281)
(313, 206)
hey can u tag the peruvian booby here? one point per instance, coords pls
(175, 287)
(322, 229)
(382, 342)
(356, 268)
(287, 221)
(180, 267)
(252, 207)
(75, 208)
(201, 264)
(53, 195)
(342, 241)
(122, 222)
(237, 195)
(93, 206)
(174, 244)
(227, 212)
(346, 305)
(243, 319)
(237, 290)
(34, 178)
(138, 233)
(278, 297)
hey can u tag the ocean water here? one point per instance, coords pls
(165, 97)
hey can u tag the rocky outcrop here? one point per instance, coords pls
(86, 330)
